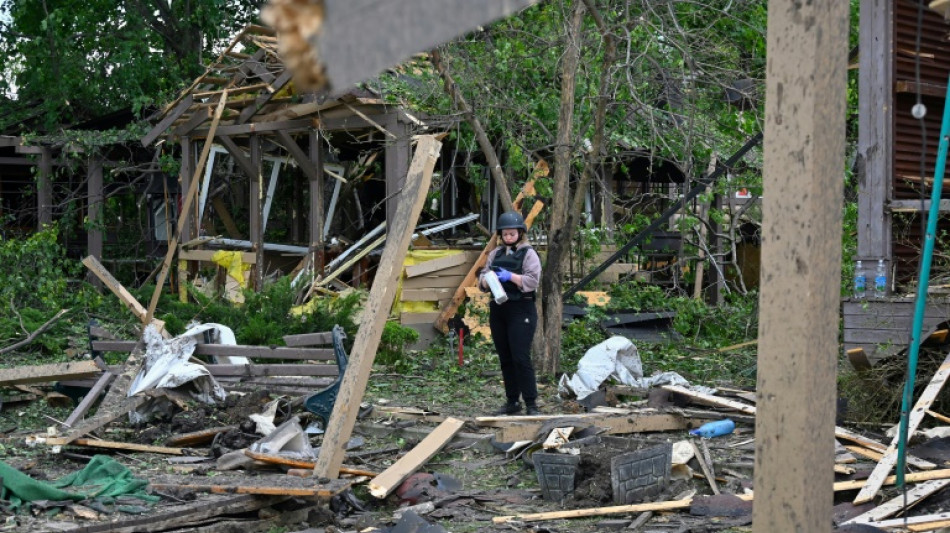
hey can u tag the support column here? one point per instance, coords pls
(257, 204)
(184, 178)
(397, 165)
(317, 216)
(94, 213)
(875, 165)
(44, 189)
(801, 265)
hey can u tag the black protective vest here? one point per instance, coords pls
(514, 263)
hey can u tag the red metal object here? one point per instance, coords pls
(461, 344)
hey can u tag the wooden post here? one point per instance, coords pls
(340, 426)
(875, 166)
(397, 162)
(801, 265)
(257, 204)
(94, 213)
(317, 219)
(44, 189)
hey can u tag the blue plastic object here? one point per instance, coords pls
(714, 429)
(321, 403)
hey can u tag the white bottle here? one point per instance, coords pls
(860, 282)
(497, 291)
(880, 280)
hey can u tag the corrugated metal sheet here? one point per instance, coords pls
(934, 61)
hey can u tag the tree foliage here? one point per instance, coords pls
(76, 59)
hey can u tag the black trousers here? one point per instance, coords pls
(512, 329)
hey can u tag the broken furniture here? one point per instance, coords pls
(321, 403)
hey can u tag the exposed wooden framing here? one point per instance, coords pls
(434, 265)
(185, 214)
(47, 373)
(804, 148)
(265, 97)
(23, 161)
(372, 122)
(44, 189)
(350, 262)
(240, 157)
(386, 482)
(887, 462)
(222, 350)
(232, 90)
(397, 164)
(875, 166)
(303, 160)
(168, 120)
(9, 140)
(376, 311)
(206, 255)
(94, 209)
(197, 118)
(222, 211)
(259, 127)
(89, 399)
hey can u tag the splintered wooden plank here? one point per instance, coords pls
(46, 373)
(381, 297)
(900, 503)
(229, 350)
(434, 265)
(89, 399)
(183, 515)
(277, 485)
(299, 463)
(383, 484)
(598, 511)
(112, 445)
(113, 284)
(196, 438)
(615, 425)
(887, 462)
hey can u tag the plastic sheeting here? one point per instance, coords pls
(167, 366)
(616, 358)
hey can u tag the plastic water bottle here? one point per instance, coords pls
(880, 280)
(714, 429)
(860, 282)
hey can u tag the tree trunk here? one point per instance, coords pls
(559, 233)
(501, 184)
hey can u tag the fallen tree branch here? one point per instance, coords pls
(32, 336)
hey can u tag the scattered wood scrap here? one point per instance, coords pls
(383, 484)
(48, 373)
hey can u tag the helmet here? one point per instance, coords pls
(511, 220)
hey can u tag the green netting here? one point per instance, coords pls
(102, 479)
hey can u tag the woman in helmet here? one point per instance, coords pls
(512, 323)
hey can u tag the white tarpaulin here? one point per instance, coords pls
(616, 358)
(167, 364)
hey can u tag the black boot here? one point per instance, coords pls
(531, 410)
(509, 408)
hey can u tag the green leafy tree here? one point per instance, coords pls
(75, 59)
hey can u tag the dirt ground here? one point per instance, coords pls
(468, 483)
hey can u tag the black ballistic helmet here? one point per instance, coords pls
(511, 220)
